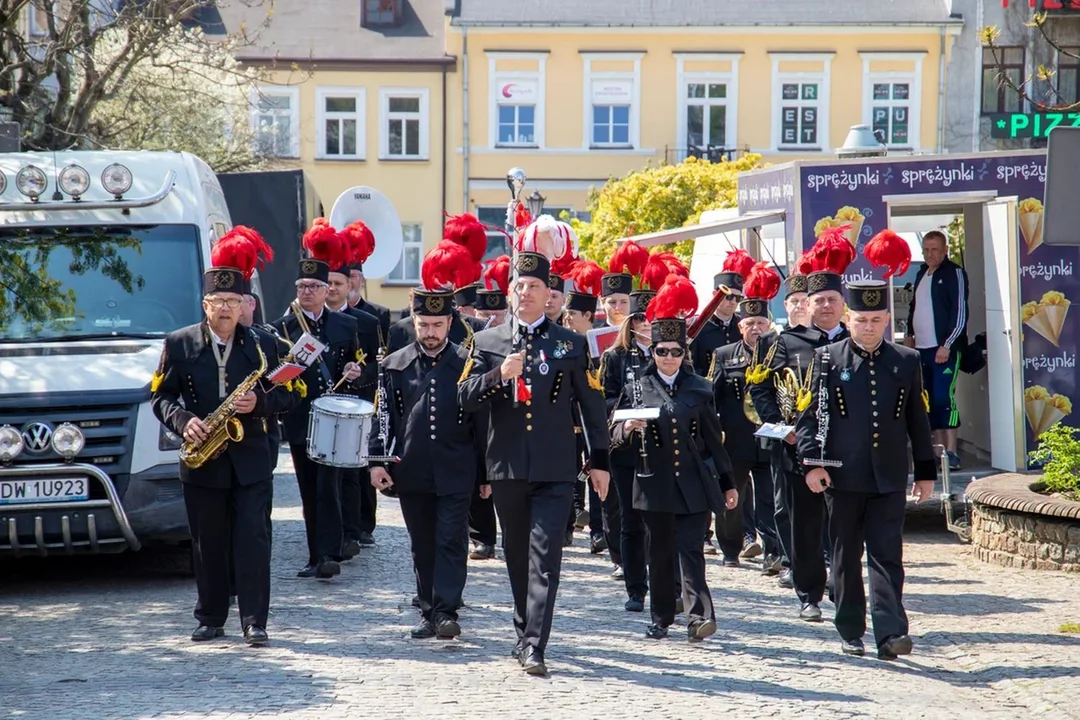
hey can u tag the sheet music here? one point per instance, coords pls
(774, 431)
(636, 414)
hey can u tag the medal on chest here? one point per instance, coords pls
(544, 367)
(845, 375)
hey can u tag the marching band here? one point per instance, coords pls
(491, 406)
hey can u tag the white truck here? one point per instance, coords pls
(101, 255)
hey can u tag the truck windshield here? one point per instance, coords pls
(61, 283)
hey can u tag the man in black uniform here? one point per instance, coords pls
(465, 299)
(228, 496)
(320, 485)
(794, 349)
(723, 327)
(531, 375)
(875, 405)
(402, 333)
(557, 298)
(361, 243)
(358, 497)
(435, 440)
(749, 458)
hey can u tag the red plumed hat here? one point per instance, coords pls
(762, 283)
(587, 277)
(805, 264)
(655, 274)
(241, 248)
(361, 242)
(466, 230)
(887, 249)
(497, 274)
(674, 264)
(675, 300)
(325, 243)
(629, 258)
(563, 265)
(447, 265)
(738, 261)
(832, 252)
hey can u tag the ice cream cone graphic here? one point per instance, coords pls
(823, 224)
(1030, 213)
(848, 215)
(1057, 407)
(1035, 402)
(1048, 316)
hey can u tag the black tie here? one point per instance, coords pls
(221, 348)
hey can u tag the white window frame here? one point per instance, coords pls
(406, 243)
(498, 79)
(424, 95)
(912, 78)
(635, 101)
(293, 93)
(32, 22)
(321, 116)
(824, 80)
(682, 102)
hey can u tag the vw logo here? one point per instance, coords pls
(36, 436)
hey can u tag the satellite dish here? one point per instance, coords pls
(378, 213)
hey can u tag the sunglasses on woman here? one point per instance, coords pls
(673, 352)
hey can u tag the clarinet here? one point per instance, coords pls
(633, 378)
(822, 435)
(381, 400)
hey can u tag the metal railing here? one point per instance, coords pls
(712, 153)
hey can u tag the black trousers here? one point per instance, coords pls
(633, 540)
(875, 521)
(755, 486)
(533, 519)
(730, 527)
(482, 527)
(320, 496)
(676, 557)
(358, 503)
(807, 512)
(437, 525)
(230, 537)
(781, 513)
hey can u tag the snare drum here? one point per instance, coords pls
(338, 431)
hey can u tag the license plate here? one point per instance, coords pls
(15, 492)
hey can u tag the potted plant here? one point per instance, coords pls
(1058, 455)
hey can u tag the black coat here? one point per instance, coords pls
(679, 443)
(380, 313)
(729, 392)
(712, 337)
(614, 364)
(875, 406)
(535, 441)
(436, 439)
(462, 327)
(367, 336)
(794, 349)
(338, 332)
(186, 386)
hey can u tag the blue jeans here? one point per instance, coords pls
(939, 380)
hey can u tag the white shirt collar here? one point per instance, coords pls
(435, 354)
(645, 349)
(832, 333)
(866, 349)
(344, 308)
(533, 326)
(214, 336)
(669, 379)
(313, 316)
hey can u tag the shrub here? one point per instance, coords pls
(1059, 455)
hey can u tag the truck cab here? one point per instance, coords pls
(101, 255)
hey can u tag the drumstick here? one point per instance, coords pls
(338, 384)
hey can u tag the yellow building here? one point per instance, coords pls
(357, 98)
(575, 92)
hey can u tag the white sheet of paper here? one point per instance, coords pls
(774, 431)
(306, 350)
(636, 414)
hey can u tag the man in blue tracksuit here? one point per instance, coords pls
(937, 328)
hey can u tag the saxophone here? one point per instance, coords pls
(222, 424)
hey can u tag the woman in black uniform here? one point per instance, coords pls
(676, 499)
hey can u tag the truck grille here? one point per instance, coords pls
(106, 419)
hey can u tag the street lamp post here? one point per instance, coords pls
(535, 202)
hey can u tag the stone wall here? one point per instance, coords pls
(1022, 540)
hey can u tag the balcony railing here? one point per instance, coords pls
(712, 153)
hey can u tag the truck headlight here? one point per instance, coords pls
(116, 179)
(74, 181)
(168, 440)
(31, 181)
(68, 441)
(11, 443)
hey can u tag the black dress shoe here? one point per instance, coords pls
(656, 632)
(635, 604)
(701, 629)
(351, 549)
(810, 613)
(532, 661)
(894, 646)
(447, 628)
(853, 647)
(255, 635)
(207, 632)
(327, 568)
(308, 571)
(482, 552)
(519, 648)
(366, 539)
(731, 562)
(597, 544)
(423, 631)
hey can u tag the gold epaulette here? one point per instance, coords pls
(926, 400)
(594, 380)
(803, 399)
(712, 369)
(300, 386)
(159, 375)
(469, 346)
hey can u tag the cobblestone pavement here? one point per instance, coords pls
(107, 638)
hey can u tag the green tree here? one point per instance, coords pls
(955, 233)
(658, 198)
